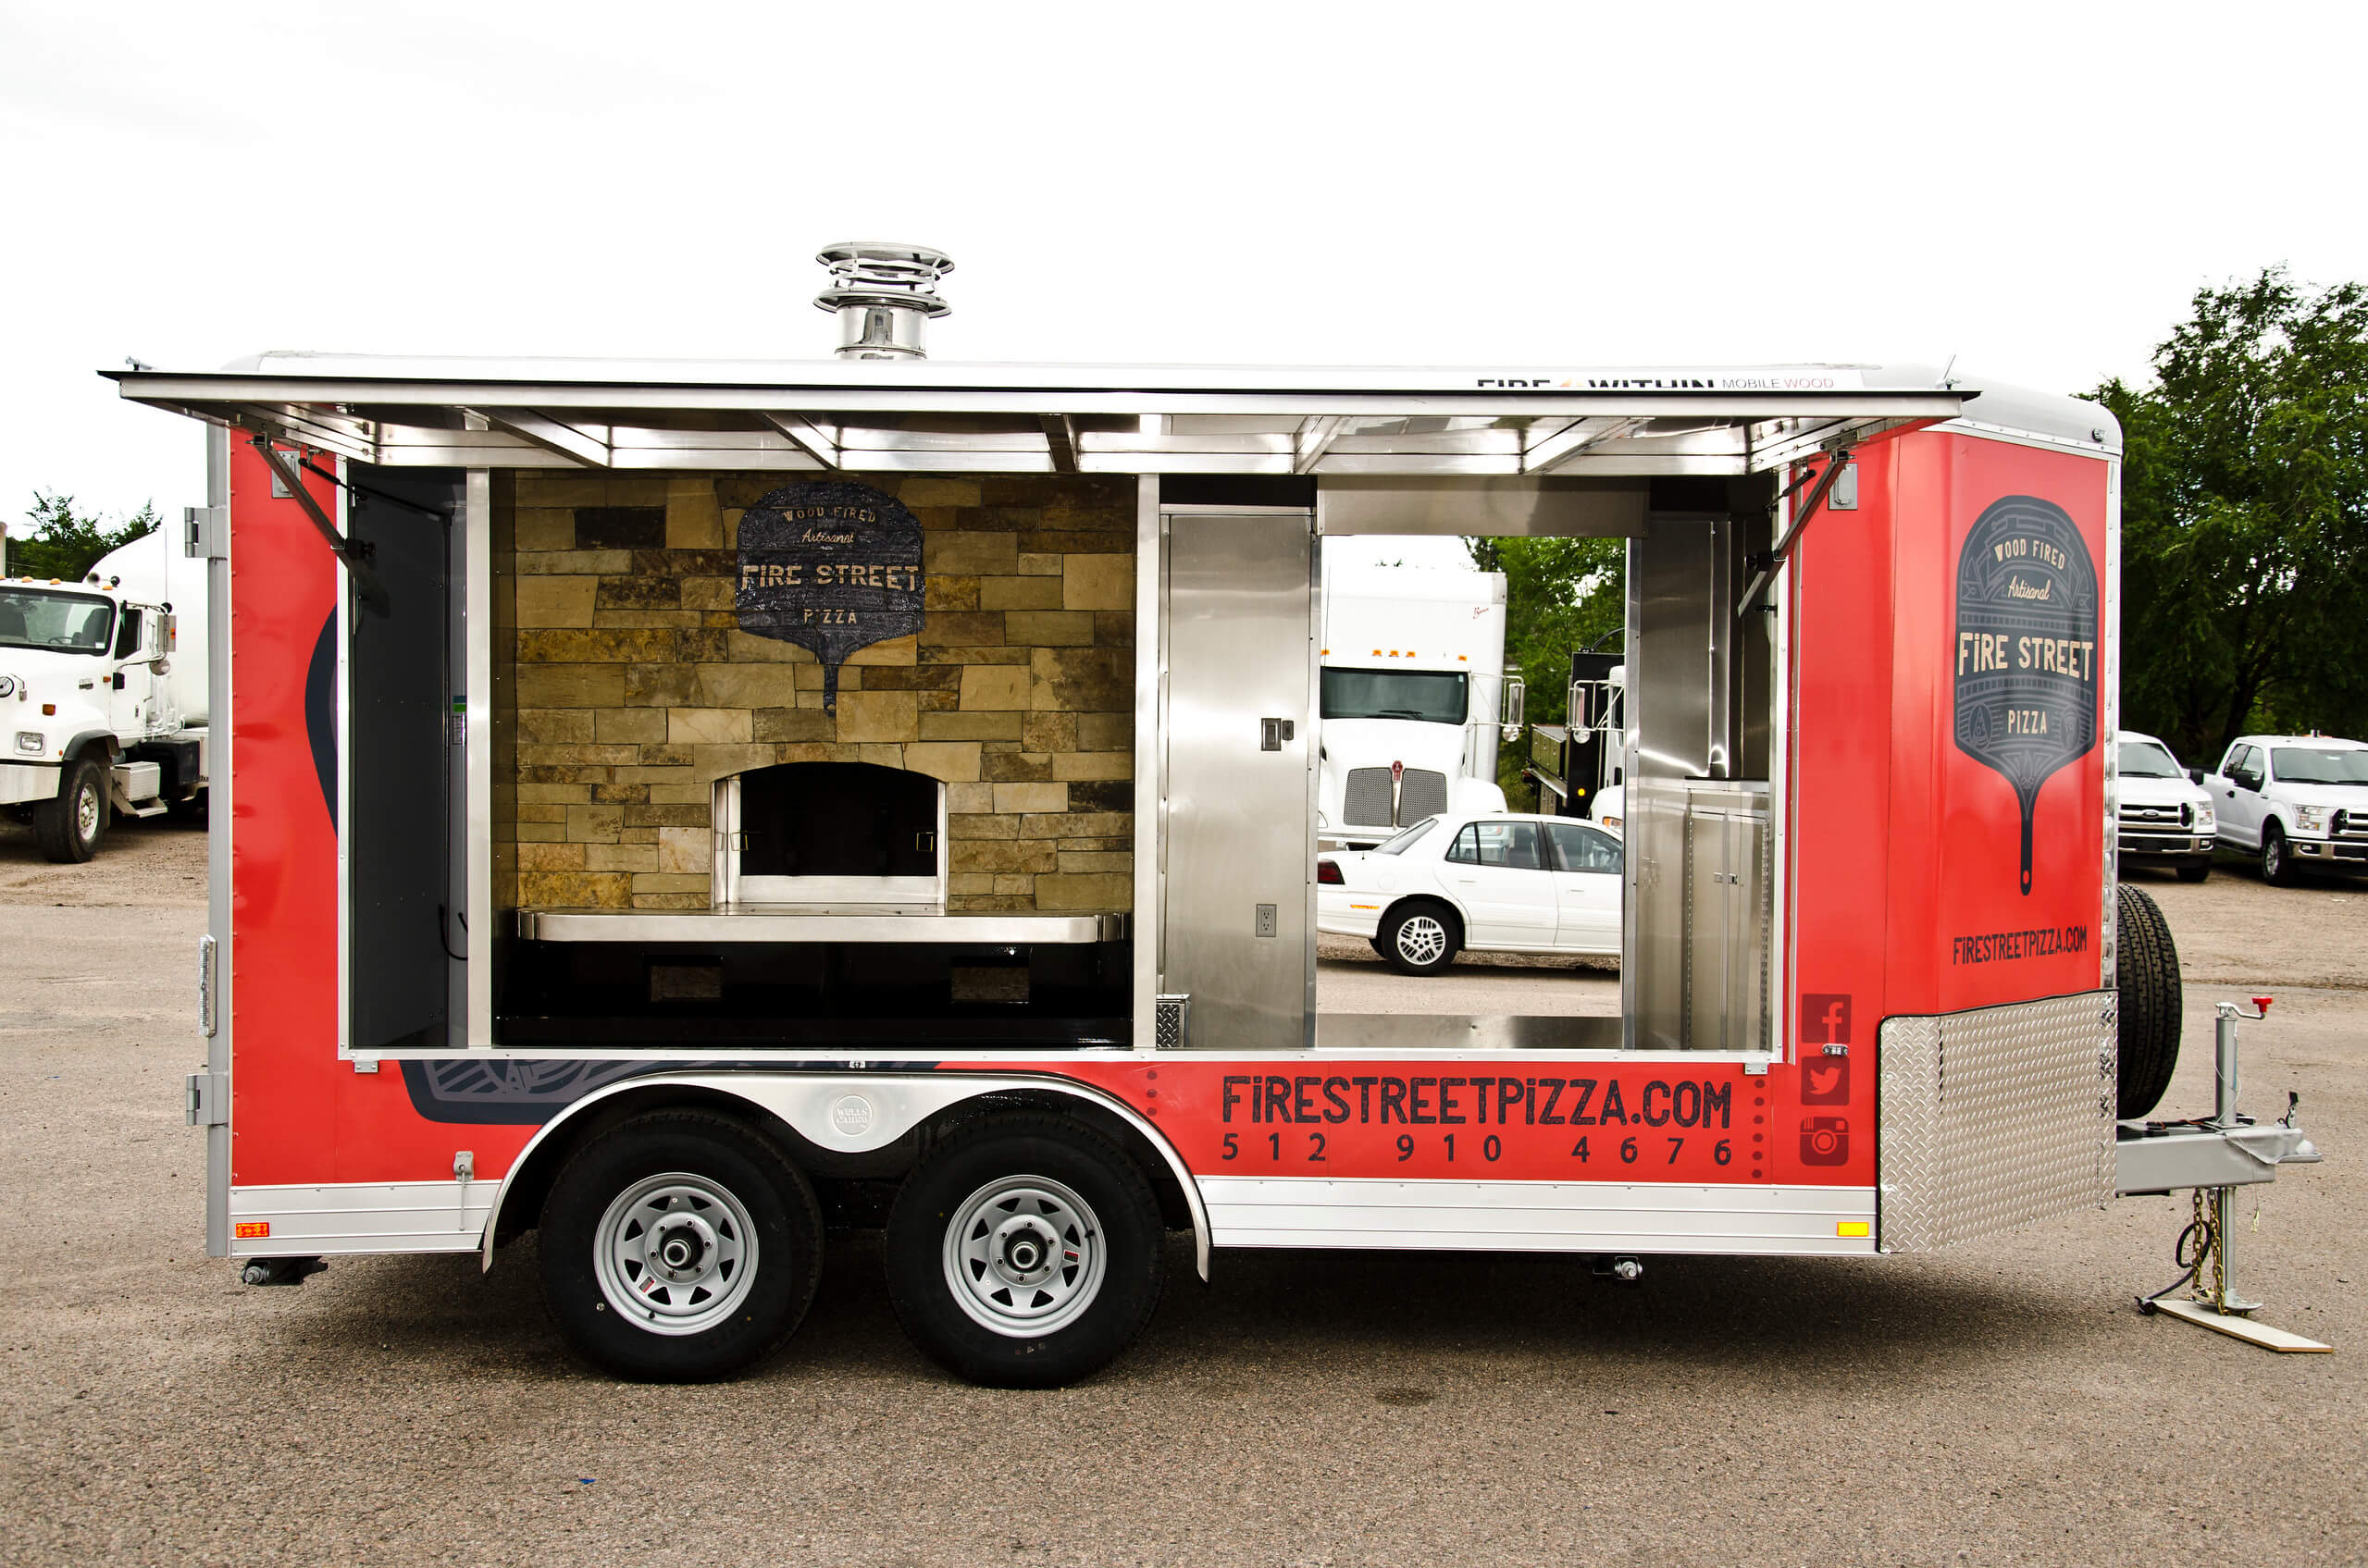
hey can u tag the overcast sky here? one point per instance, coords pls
(2034, 190)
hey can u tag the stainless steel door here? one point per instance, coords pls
(1727, 915)
(1238, 843)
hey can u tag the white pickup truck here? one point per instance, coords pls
(103, 697)
(2298, 801)
(2165, 818)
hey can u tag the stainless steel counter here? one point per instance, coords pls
(818, 922)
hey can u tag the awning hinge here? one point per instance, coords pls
(1764, 566)
(351, 552)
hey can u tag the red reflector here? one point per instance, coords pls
(1328, 873)
(252, 1229)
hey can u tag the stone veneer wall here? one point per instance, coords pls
(634, 689)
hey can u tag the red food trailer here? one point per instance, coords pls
(670, 805)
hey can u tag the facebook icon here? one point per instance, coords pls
(1825, 1018)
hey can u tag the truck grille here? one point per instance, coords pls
(1424, 795)
(2160, 830)
(1366, 800)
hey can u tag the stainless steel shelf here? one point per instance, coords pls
(812, 922)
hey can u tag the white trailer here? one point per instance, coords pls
(1414, 692)
(103, 689)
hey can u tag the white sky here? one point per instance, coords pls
(2034, 189)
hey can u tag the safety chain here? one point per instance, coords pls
(2209, 1247)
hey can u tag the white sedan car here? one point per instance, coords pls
(1494, 881)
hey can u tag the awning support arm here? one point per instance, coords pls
(1837, 459)
(347, 552)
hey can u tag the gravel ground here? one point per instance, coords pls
(1998, 1402)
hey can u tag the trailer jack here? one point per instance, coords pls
(2202, 1248)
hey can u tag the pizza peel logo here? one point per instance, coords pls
(2026, 648)
(831, 567)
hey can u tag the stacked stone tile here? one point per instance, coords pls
(634, 689)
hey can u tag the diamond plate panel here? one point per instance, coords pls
(1994, 1118)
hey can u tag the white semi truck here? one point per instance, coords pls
(1414, 696)
(103, 695)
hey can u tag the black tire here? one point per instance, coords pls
(1051, 1163)
(69, 827)
(2277, 860)
(2196, 872)
(1420, 936)
(2146, 971)
(610, 1327)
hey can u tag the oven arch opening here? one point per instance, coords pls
(830, 834)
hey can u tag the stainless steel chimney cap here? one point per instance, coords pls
(883, 293)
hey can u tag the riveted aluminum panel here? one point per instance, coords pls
(1995, 1118)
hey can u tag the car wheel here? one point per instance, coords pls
(1420, 938)
(1024, 1253)
(69, 827)
(2196, 872)
(2277, 860)
(679, 1247)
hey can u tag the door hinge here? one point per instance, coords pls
(205, 1099)
(206, 532)
(206, 1024)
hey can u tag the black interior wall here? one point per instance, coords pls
(403, 935)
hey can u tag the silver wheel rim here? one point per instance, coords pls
(676, 1253)
(2273, 855)
(86, 813)
(1024, 1256)
(1422, 939)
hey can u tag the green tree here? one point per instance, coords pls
(66, 544)
(1561, 596)
(2245, 518)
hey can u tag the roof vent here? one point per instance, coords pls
(883, 294)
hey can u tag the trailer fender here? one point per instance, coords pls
(854, 1113)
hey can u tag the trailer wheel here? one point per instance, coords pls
(2146, 971)
(69, 827)
(1420, 937)
(1024, 1253)
(679, 1246)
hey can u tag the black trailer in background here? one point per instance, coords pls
(1570, 764)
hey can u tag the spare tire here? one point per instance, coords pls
(2146, 971)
